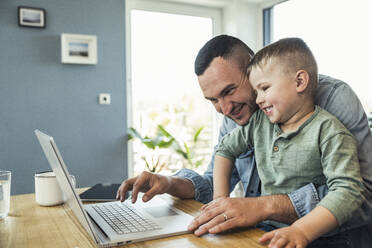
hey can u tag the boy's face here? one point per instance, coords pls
(228, 89)
(276, 91)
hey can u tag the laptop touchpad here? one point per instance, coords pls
(160, 211)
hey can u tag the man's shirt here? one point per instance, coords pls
(337, 98)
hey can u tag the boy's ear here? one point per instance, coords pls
(302, 80)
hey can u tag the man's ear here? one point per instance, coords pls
(302, 80)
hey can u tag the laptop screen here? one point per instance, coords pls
(55, 161)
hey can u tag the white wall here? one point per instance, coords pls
(242, 20)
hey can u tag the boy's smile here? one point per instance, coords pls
(267, 110)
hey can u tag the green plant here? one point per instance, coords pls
(155, 166)
(163, 140)
(158, 142)
(187, 150)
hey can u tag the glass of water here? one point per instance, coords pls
(5, 177)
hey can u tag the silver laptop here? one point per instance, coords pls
(116, 223)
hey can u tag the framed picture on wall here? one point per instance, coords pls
(31, 17)
(78, 49)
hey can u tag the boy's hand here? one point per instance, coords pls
(285, 237)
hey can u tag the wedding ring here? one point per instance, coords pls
(225, 216)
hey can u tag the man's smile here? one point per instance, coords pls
(237, 109)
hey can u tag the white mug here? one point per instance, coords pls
(47, 190)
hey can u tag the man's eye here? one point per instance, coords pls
(229, 91)
(265, 88)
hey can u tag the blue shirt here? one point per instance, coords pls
(339, 99)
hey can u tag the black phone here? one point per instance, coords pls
(101, 192)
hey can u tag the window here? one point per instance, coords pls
(164, 41)
(338, 33)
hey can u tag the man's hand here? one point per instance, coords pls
(153, 184)
(285, 237)
(226, 213)
(149, 183)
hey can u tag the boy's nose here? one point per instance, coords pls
(259, 98)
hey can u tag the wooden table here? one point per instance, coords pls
(30, 225)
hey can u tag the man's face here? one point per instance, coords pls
(228, 90)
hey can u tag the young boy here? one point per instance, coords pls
(295, 143)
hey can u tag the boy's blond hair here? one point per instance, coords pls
(293, 55)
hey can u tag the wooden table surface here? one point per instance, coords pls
(30, 225)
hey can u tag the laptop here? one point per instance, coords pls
(115, 223)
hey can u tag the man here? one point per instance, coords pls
(220, 67)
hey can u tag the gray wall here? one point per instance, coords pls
(37, 91)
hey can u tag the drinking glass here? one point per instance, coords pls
(5, 177)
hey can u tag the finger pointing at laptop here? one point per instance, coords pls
(153, 184)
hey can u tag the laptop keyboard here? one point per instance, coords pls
(123, 218)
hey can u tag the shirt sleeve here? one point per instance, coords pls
(304, 199)
(237, 142)
(341, 168)
(203, 184)
(340, 100)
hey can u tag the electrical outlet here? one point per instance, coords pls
(104, 98)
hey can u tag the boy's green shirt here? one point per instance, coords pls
(320, 151)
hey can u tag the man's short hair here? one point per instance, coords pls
(293, 54)
(227, 47)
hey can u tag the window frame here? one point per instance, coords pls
(268, 20)
(267, 17)
(164, 7)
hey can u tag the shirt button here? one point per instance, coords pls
(276, 148)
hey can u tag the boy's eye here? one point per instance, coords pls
(264, 88)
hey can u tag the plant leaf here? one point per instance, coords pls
(166, 144)
(183, 154)
(199, 162)
(164, 132)
(187, 150)
(149, 143)
(132, 132)
(197, 134)
(147, 164)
